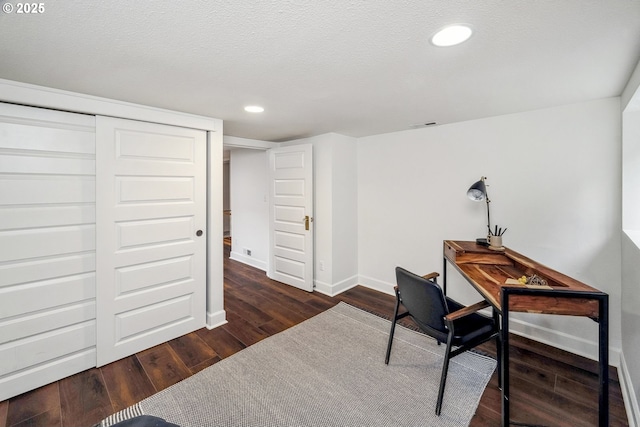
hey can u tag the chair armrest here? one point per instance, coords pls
(430, 276)
(466, 311)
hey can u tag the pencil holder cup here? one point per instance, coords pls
(495, 241)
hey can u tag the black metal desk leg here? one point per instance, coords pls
(496, 319)
(444, 275)
(504, 333)
(603, 338)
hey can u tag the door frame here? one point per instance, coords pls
(231, 143)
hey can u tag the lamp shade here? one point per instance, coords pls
(478, 191)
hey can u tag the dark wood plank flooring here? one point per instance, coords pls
(549, 387)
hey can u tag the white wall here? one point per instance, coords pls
(554, 181)
(628, 96)
(249, 207)
(345, 209)
(630, 366)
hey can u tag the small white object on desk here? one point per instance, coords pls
(516, 282)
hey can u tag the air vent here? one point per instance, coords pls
(422, 125)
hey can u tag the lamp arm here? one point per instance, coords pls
(488, 217)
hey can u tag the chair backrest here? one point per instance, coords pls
(423, 299)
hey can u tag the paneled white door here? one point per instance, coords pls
(291, 216)
(151, 237)
(47, 247)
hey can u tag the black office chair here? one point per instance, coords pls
(442, 318)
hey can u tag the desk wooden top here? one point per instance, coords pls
(487, 271)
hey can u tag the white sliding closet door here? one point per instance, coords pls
(151, 216)
(47, 247)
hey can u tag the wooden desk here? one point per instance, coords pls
(486, 270)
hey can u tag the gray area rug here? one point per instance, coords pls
(327, 371)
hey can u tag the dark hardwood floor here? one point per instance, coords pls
(549, 387)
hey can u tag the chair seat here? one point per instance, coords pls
(471, 327)
(468, 329)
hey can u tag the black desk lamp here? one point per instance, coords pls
(478, 192)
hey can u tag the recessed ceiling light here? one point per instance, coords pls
(253, 109)
(451, 35)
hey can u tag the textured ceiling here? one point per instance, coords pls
(356, 67)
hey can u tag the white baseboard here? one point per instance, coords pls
(216, 319)
(563, 341)
(253, 262)
(628, 394)
(377, 285)
(336, 288)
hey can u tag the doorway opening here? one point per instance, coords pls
(226, 200)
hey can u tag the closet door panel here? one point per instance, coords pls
(47, 246)
(48, 320)
(34, 192)
(46, 347)
(20, 218)
(151, 198)
(16, 245)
